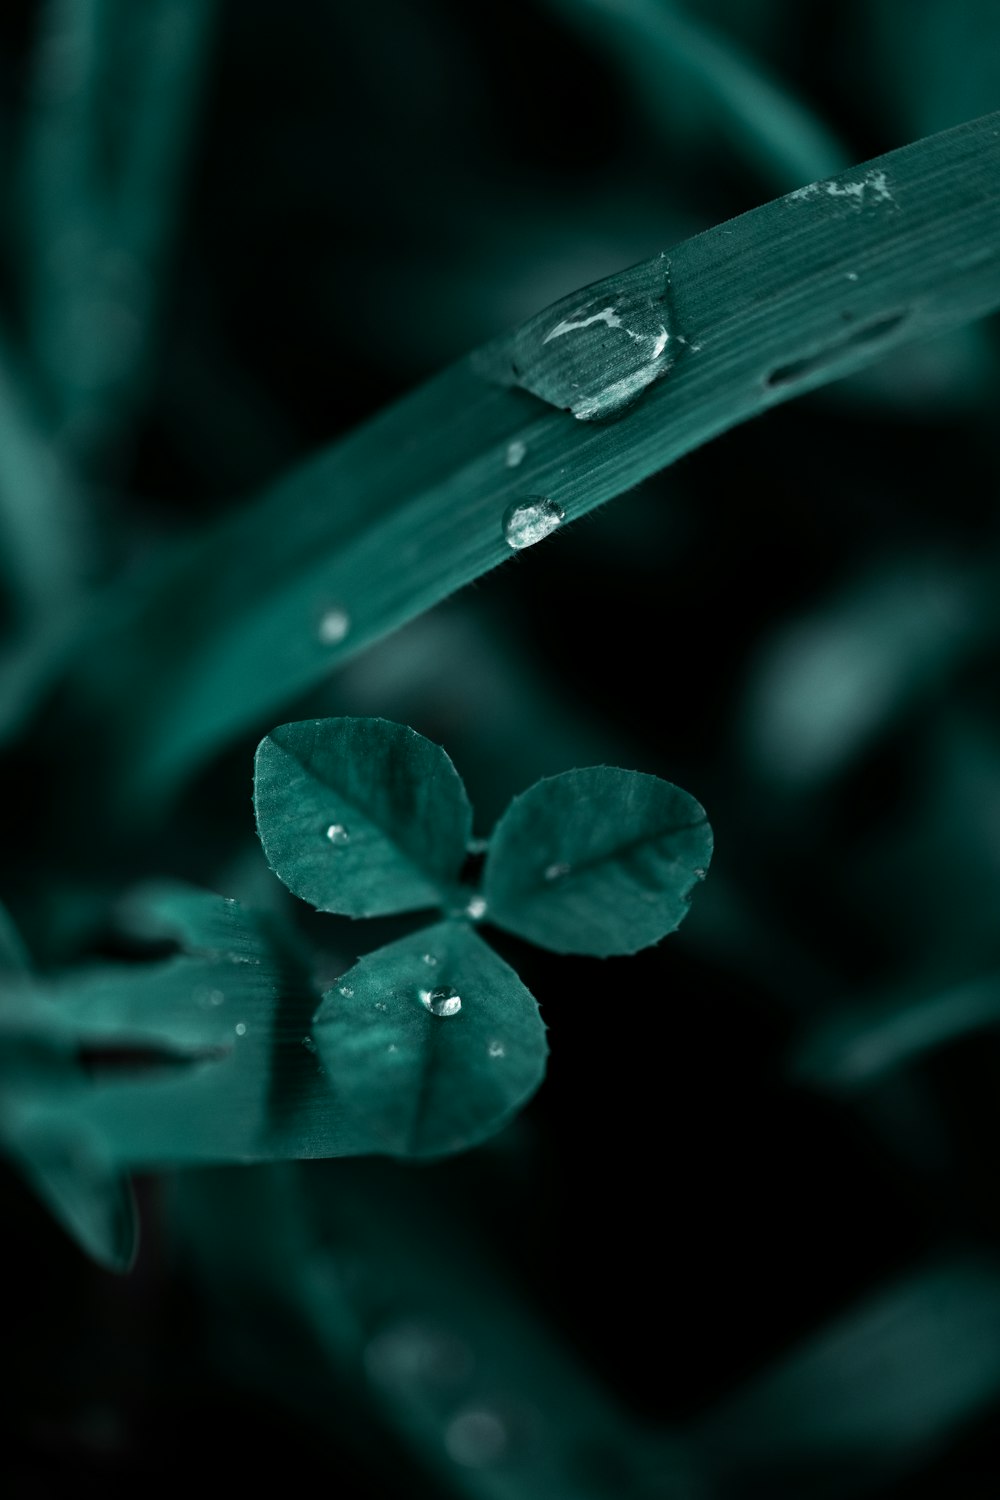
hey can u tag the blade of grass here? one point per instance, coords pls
(114, 96)
(658, 44)
(408, 508)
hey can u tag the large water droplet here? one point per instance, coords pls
(528, 521)
(442, 1002)
(475, 1437)
(333, 627)
(596, 351)
(338, 834)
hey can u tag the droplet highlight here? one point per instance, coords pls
(476, 908)
(526, 522)
(441, 1002)
(338, 834)
(556, 871)
(241, 1028)
(516, 451)
(496, 1049)
(333, 627)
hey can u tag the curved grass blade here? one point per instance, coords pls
(67, 1164)
(409, 508)
(874, 1392)
(660, 46)
(432, 1042)
(597, 861)
(862, 1045)
(360, 816)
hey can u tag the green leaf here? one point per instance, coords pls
(67, 1165)
(425, 1083)
(862, 1044)
(882, 1384)
(597, 861)
(72, 1171)
(360, 816)
(662, 47)
(773, 304)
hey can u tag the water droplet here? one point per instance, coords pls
(338, 834)
(381, 1005)
(475, 1438)
(597, 351)
(204, 996)
(430, 960)
(441, 1002)
(851, 275)
(528, 521)
(556, 871)
(699, 874)
(496, 1049)
(476, 908)
(333, 627)
(241, 1028)
(309, 1044)
(346, 991)
(392, 1047)
(515, 453)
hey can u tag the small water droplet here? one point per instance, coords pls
(346, 991)
(476, 908)
(475, 1438)
(556, 871)
(441, 1002)
(851, 275)
(496, 1049)
(204, 996)
(528, 521)
(700, 874)
(430, 960)
(515, 453)
(333, 627)
(241, 1028)
(309, 1044)
(338, 834)
(392, 1047)
(381, 1005)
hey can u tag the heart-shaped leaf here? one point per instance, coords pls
(597, 861)
(433, 1042)
(360, 816)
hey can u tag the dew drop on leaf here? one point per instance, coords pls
(441, 1002)
(430, 960)
(333, 627)
(496, 1049)
(528, 521)
(515, 453)
(241, 1028)
(338, 834)
(476, 908)
(595, 352)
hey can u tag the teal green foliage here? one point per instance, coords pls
(427, 1082)
(597, 861)
(361, 816)
(311, 317)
